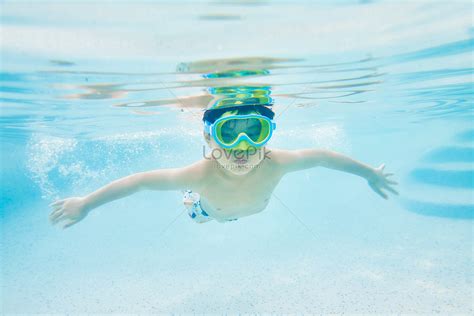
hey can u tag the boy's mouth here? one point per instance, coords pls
(240, 161)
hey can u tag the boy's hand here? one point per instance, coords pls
(71, 209)
(378, 180)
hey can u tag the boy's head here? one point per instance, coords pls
(237, 135)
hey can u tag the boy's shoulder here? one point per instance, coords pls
(199, 167)
(284, 159)
(280, 156)
(195, 173)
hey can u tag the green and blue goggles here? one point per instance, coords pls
(241, 131)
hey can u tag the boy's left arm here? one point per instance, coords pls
(294, 160)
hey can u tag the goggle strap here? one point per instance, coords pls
(207, 127)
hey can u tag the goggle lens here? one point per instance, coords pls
(256, 129)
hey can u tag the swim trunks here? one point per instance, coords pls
(196, 212)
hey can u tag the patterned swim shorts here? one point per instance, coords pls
(196, 212)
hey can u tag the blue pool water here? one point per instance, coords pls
(95, 91)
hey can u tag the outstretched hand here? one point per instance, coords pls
(71, 210)
(379, 180)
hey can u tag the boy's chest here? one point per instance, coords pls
(235, 199)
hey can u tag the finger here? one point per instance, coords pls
(382, 194)
(54, 216)
(57, 202)
(59, 218)
(54, 203)
(388, 174)
(56, 208)
(69, 224)
(391, 189)
(382, 166)
(391, 181)
(54, 221)
(378, 191)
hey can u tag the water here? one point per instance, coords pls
(92, 92)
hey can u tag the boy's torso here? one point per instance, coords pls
(224, 198)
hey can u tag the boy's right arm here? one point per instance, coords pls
(162, 179)
(76, 208)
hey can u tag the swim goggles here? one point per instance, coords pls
(231, 131)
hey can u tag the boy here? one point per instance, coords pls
(217, 186)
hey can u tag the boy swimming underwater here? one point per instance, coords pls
(239, 160)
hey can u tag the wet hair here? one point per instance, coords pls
(212, 115)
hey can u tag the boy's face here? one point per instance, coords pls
(241, 159)
(237, 161)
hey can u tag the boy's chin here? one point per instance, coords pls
(239, 169)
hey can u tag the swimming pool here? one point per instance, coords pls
(92, 92)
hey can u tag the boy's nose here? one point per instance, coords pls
(242, 145)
